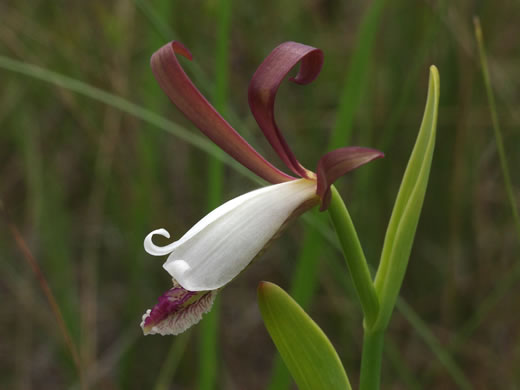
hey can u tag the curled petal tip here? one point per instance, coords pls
(179, 48)
(337, 163)
(156, 250)
(264, 87)
(310, 68)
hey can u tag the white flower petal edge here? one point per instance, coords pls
(226, 240)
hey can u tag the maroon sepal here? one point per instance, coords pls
(264, 86)
(334, 164)
(188, 99)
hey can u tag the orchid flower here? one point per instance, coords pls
(225, 241)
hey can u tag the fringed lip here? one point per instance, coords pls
(264, 87)
(177, 310)
(188, 99)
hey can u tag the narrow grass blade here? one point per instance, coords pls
(46, 289)
(496, 124)
(209, 356)
(178, 346)
(148, 177)
(357, 76)
(407, 209)
(124, 105)
(157, 22)
(503, 286)
(45, 194)
(215, 167)
(433, 343)
(305, 349)
(405, 373)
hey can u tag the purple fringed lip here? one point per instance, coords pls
(169, 303)
(177, 310)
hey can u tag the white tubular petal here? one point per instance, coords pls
(226, 240)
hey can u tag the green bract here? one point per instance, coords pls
(407, 209)
(305, 349)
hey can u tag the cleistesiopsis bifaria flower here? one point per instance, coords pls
(226, 240)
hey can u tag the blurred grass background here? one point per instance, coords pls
(93, 161)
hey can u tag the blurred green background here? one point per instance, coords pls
(86, 175)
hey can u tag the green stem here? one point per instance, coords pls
(354, 257)
(371, 360)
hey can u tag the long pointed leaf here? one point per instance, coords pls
(407, 209)
(305, 349)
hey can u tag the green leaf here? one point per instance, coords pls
(407, 209)
(305, 349)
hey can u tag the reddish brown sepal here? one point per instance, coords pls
(337, 163)
(188, 99)
(264, 86)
